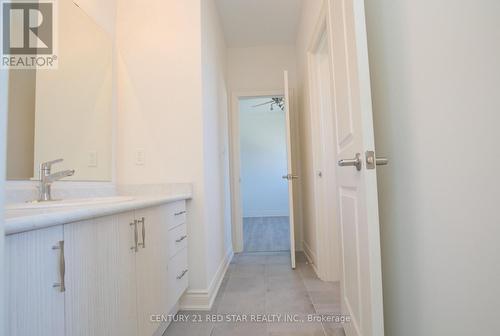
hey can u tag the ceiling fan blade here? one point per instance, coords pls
(269, 102)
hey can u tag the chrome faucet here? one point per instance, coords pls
(46, 179)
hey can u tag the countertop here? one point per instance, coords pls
(17, 221)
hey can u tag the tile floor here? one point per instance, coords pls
(265, 234)
(264, 283)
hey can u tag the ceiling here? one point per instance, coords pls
(250, 23)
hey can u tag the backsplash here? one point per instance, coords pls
(25, 191)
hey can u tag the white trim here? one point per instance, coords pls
(324, 157)
(204, 299)
(234, 150)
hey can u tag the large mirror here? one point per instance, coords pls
(65, 112)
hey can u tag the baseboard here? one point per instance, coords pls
(310, 255)
(203, 299)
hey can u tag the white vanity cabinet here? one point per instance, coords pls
(35, 301)
(100, 277)
(151, 266)
(117, 271)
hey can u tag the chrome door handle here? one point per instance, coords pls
(290, 177)
(136, 236)
(356, 162)
(180, 213)
(143, 222)
(62, 267)
(372, 160)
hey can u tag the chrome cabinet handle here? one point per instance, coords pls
(290, 177)
(136, 236)
(180, 213)
(62, 267)
(180, 276)
(181, 239)
(143, 222)
(356, 162)
(372, 160)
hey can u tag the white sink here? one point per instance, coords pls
(68, 203)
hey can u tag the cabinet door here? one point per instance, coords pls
(152, 261)
(34, 305)
(100, 277)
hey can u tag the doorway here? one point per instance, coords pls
(263, 163)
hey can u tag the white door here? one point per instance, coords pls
(361, 281)
(152, 267)
(100, 277)
(35, 302)
(290, 175)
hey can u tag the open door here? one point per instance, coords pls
(361, 275)
(290, 177)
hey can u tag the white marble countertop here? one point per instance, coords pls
(17, 221)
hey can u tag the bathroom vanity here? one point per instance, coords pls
(107, 267)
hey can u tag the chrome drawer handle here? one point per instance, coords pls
(180, 213)
(135, 248)
(143, 222)
(181, 239)
(182, 274)
(62, 267)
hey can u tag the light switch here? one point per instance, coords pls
(139, 157)
(92, 159)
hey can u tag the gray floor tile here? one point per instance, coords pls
(264, 283)
(282, 270)
(295, 329)
(285, 283)
(333, 329)
(189, 329)
(242, 303)
(327, 308)
(325, 297)
(248, 270)
(317, 285)
(285, 301)
(239, 329)
(246, 284)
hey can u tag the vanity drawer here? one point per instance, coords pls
(176, 214)
(178, 275)
(177, 239)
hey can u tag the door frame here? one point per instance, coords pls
(235, 166)
(324, 158)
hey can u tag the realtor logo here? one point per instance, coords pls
(28, 35)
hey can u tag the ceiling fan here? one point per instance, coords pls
(276, 101)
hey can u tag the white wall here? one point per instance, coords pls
(263, 159)
(159, 105)
(309, 17)
(215, 140)
(436, 83)
(172, 104)
(260, 68)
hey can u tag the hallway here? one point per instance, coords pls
(264, 283)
